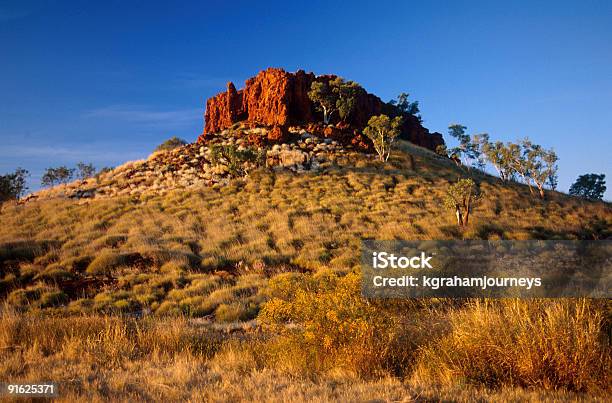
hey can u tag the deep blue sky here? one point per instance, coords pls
(105, 82)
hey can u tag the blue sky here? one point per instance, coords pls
(105, 82)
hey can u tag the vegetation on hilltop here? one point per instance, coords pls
(13, 185)
(530, 162)
(589, 186)
(383, 131)
(337, 95)
(63, 174)
(170, 144)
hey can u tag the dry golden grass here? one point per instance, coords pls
(272, 222)
(547, 344)
(102, 358)
(102, 295)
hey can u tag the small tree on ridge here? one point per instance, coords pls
(589, 186)
(462, 197)
(13, 186)
(55, 176)
(383, 131)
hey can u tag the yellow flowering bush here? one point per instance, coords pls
(324, 323)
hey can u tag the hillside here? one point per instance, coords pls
(196, 263)
(231, 267)
(146, 250)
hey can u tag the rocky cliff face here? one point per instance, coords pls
(277, 99)
(272, 98)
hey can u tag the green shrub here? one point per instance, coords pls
(25, 250)
(126, 305)
(236, 160)
(168, 308)
(24, 297)
(53, 273)
(171, 144)
(197, 287)
(80, 306)
(13, 186)
(56, 176)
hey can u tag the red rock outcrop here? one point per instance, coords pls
(278, 134)
(277, 99)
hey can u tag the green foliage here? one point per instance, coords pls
(383, 131)
(541, 165)
(13, 186)
(347, 96)
(236, 311)
(461, 197)
(335, 95)
(403, 105)
(498, 154)
(85, 171)
(324, 98)
(171, 144)
(56, 176)
(467, 152)
(238, 161)
(518, 161)
(530, 161)
(589, 186)
(63, 174)
(443, 151)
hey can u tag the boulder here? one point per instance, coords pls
(292, 158)
(278, 134)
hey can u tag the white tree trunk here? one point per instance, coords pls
(459, 216)
(325, 116)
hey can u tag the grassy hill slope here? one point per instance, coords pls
(221, 252)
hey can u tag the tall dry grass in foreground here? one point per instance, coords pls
(493, 350)
(546, 344)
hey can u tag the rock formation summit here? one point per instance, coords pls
(271, 123)
(277, 99)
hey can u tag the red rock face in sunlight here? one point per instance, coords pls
(277, 99)
(223, 110)
(271, 98)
